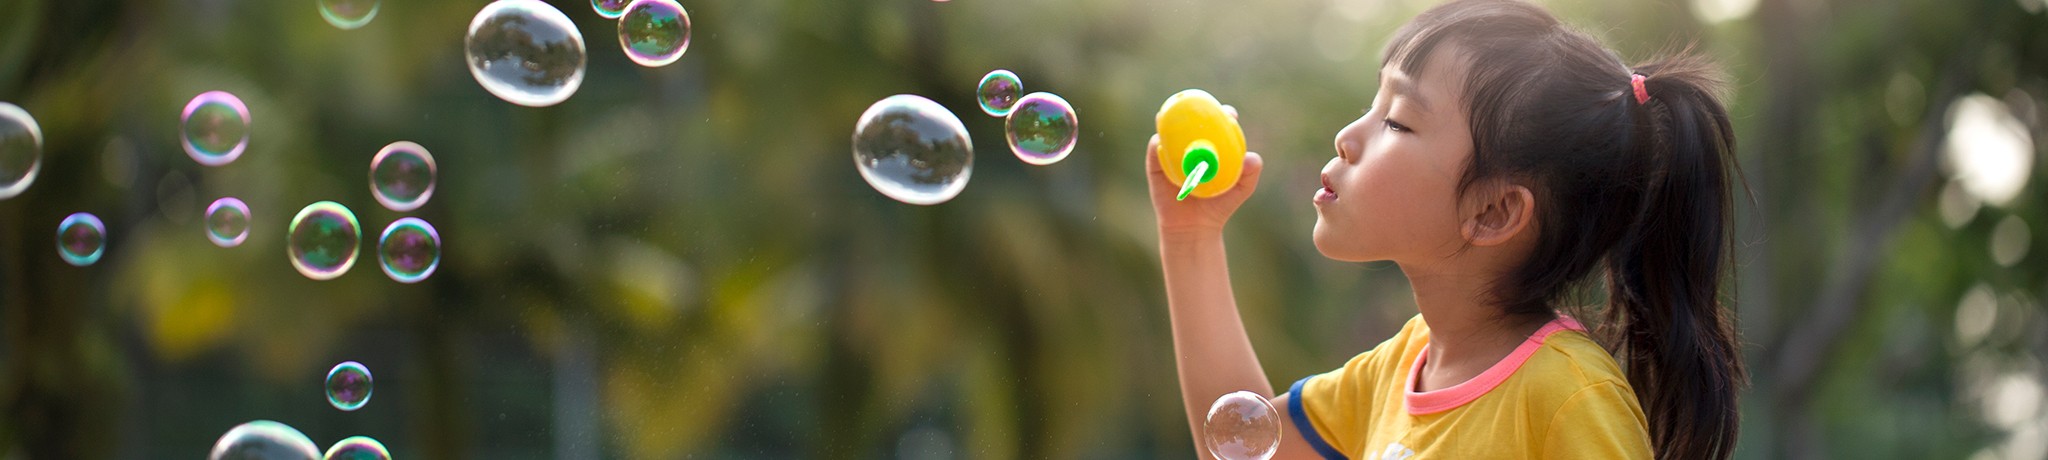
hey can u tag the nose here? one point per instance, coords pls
(1348, 143)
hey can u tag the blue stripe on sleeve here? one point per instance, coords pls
(1307, 429)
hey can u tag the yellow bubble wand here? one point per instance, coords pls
(1199, 140)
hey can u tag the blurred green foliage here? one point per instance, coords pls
(682, 262)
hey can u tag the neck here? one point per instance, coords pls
(1466, 334)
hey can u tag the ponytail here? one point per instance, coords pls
(1664, 316)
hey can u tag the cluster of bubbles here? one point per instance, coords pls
(269, 440)
(1041, 127)
(529, 53)
(915, 151)
(1242, 426)
(349, 14)
(349, 386)
(21, 150)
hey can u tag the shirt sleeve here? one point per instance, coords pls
(1601, 420)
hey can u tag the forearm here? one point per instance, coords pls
(1212, 353)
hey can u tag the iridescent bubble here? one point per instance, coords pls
(348, 386)
(227, 222)
(349, 14)
(264, 440)
(358, 448)
(1042, 128)
(998, 92)
(409, 250)
(323, 240)
(609, 9)
(402, 176)
(525, 52)
(215, 128)
(654, 33)
(21, 150)
(1242, 425)
(913, 150)
(81, 238)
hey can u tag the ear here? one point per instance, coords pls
(1499, 212)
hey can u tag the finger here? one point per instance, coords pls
(1230, 110)
(1253, 165)
(1152, 154)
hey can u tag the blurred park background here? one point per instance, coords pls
(681, 262)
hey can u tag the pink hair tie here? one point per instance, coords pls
(1642, 95)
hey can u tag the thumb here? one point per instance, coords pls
(1248, 180)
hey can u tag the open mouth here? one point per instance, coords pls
(1327, 193)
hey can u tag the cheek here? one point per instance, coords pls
(1404, 198)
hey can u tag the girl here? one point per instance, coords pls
(1505, 161)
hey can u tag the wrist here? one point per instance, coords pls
(1183, 236)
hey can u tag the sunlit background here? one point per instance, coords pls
(681, 261)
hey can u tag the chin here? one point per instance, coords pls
(1327, 243)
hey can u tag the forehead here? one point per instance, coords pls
(1438, 84)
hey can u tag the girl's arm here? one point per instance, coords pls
(1212, 353)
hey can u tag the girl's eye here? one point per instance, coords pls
(1396, 126)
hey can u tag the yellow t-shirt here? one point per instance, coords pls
(1558, 395)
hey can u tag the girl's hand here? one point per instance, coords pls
(1197, 217)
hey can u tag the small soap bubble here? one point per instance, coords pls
(998, 92)
(21, 150)
(654, 33)
(349, 14)
(1042, 128)
(525, 52)
(348, 386)
(913, 150)
(215, 128)
(81, 239)
(358, 448)
(227, 222)
(402, 176)
(264, 440)
(323, 239)
(409, 250)
(609, 9)
(1242, 426)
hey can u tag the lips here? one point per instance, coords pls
(1327, 193)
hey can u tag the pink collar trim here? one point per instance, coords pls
(1430, 402)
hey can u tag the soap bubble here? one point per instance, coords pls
(358, 448)
(654, 33)
(349, 14)
(913, 150)
(264, 440)
(322, 240)
(1042, 128)
(348, 386)
(609, 9)
(409, 250)
(998, 92)
(215, 128)
(227, 222)
(81, 239)
(402, 176)
(1242, 425)
(21, 150)
(525, 52)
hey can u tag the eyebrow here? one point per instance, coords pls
(1402, 87)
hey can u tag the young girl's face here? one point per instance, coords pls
(1391, 192)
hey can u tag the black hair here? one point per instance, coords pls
(1636, 190)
